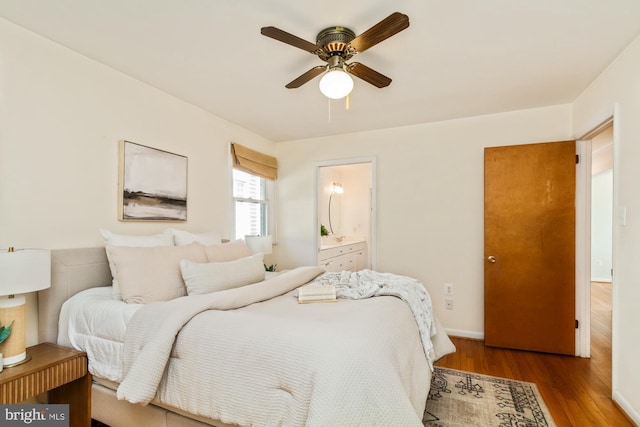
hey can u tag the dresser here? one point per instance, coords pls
(347, 256)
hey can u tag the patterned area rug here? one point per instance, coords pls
(459, 398)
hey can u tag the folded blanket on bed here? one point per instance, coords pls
(367, 283)
(153, 329)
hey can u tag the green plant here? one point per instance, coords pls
(271, 267)
(5, 332)
(323, 230)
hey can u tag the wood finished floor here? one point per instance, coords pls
(576, 390)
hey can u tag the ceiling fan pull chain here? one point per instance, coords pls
(329, 109)
(347, 105)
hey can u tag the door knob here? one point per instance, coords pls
(491, 259)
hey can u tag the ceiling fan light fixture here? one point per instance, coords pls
(336, 84)
(337, 44)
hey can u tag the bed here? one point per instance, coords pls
(254, 357)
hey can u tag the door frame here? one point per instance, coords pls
(583, 240)
(583, 248)
(346, 162)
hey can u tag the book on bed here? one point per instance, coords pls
(316, 293)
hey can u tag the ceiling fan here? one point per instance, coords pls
(335, 45)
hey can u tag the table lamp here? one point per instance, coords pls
(21, 271)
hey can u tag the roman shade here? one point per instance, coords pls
(254, 162)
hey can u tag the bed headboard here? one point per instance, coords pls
(72, 271)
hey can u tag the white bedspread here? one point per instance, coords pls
(281, 363)
(274, 362)
(93, 322)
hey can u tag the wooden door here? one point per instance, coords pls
(529, 238)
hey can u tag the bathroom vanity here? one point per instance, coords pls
(350, 255)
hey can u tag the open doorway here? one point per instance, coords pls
(601, 285)
(345, 213)
(595, 242)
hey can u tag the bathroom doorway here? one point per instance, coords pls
(345, 206)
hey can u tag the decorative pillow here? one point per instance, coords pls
(218, 276)
(185, 237)
(112, 239)
(152, 274)
(227, 251)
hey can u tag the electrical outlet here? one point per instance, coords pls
(448, 304)
(448, 288)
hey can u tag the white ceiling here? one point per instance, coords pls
(458, 58)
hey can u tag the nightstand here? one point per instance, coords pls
(61, 371)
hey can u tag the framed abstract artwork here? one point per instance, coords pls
(152, 184)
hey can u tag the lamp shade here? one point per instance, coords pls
(259, 244)
(336, 84)
(25, 270)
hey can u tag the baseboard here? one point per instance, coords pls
(625, 407)
(464, 334)
(601, 279)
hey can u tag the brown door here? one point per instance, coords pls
(529, 238)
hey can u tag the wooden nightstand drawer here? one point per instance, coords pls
(60, 371)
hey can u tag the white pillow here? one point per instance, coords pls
(218, 276)
(184, 237)
(153, 273)
(230, 251)
(111, 239)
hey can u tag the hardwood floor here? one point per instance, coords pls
(576, 390)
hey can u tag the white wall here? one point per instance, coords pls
(601, 226)
(356, 201)
(617, 92)
(61, 116)
(429, 194)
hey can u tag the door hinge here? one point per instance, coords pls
(577, 323)
(577, 159)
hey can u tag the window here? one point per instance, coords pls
(254, 174)
(251, 204)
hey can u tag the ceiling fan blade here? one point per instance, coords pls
(369, 75)
(314, 72)
(384, 29)
(290, 39)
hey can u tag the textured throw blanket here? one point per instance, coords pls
(367, 283)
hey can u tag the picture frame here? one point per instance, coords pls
(152, 184)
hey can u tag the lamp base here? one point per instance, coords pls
(25, 360)
(13, 348)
